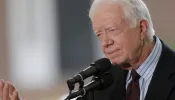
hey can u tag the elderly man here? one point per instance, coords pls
(144, 65)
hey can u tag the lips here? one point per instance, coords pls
(112, 53)
(108, 51)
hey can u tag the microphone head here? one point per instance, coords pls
(102, 65)
(107, 80)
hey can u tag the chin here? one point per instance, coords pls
(117, 61)
(126, 67)
(122, 63)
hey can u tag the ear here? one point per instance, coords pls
(143, 28)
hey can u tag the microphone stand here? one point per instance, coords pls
(81, 88)
(79, 98)
(81, 85)
(72, 86)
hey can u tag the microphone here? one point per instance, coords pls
(99, 66)
(98, 83)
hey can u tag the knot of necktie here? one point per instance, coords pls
(135, 75)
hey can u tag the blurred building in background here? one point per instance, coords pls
(44, 42)
(33, 43)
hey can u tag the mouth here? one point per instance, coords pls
(113, 54)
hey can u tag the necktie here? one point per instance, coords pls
(133, 89)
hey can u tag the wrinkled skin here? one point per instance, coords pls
(123, 44)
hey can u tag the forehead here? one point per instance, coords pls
(108, 13)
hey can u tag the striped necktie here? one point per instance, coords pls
(133, 89)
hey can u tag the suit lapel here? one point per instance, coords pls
(118, 92)
(161, 84)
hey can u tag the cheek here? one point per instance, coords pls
(128, 45)
(132, 47)
(126, 50)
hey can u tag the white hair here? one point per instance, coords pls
(134, 10)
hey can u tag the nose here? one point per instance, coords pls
(106, 42)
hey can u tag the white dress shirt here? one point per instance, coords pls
(146, 69)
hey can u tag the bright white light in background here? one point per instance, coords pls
(33, 40)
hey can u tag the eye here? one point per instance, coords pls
(112, 29)
(98, 33)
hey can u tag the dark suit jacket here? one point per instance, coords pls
(162, 85)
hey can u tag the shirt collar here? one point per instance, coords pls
(147, 68)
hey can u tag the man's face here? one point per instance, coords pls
(119, 41)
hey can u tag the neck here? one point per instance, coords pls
(144, 53)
